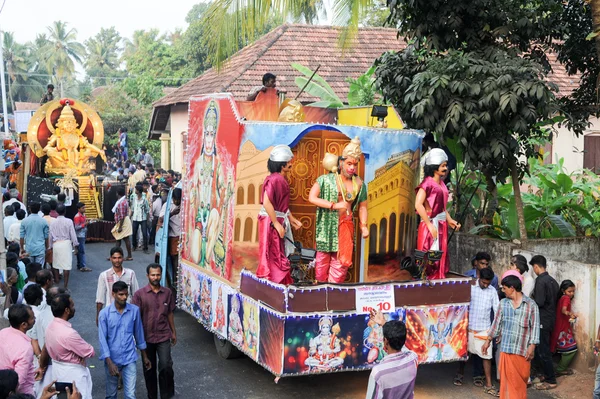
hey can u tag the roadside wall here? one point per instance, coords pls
(585, 303)
(576, 259)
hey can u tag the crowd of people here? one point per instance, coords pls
(41, 347)
(516, 323)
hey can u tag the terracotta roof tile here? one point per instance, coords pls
(309, 45)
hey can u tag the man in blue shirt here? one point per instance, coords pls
(34, 235)
(120, 331)
(481, 261)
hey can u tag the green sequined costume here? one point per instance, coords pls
(328, 220)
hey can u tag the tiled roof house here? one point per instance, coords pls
(309, 45)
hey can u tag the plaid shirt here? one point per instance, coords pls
(122, 211)
(483, 305)
(518, 327)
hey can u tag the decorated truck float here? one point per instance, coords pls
(306, 328)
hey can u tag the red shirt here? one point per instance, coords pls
(155, 309)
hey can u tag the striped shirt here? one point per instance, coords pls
(106, 280)
(483, 303)
(63, 230)
(518, 327)
(394, 377)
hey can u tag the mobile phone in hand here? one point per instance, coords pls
(62, 386)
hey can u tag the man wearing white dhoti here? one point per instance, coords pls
(67, 349)
(62, 241)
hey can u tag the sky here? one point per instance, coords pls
(26, 18)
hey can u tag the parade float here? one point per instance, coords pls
(305, 327)
(65, 137)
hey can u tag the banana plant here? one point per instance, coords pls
(317, 87)
(557, 205)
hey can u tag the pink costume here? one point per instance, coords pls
(273, 263)
(437, 198)
(16, 353)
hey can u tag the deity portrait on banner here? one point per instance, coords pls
(219, 319)
(251, 328)
(235, 328)
(211, 189)
(437, 335)
(205, 301)
(324, 349)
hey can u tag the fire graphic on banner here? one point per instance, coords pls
(437, 334)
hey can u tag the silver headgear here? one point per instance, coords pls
(435, 156)
(281, 153)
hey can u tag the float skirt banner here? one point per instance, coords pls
(271, 341)
(244, 326)
(438, 334)
(219, 310)
(190, 283)
(332, 343)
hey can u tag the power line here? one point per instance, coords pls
(93, 77)
(2, 8)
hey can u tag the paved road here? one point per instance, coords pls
(200, 373)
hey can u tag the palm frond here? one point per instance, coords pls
(232, 24)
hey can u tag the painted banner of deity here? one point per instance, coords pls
(330, 343)
(244, 325)
(211, 156)
(437, 334)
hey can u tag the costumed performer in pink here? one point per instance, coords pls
(275, 220)
(430, 204)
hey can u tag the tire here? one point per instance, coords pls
(225, 349)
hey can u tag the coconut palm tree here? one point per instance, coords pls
(15, 60)
(103, 50)
(102, 56)
(231, 22)
(62, 51)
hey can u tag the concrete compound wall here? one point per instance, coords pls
(576, 259)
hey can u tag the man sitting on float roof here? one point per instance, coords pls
(268, 81)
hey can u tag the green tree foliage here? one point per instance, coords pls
(376, 15)
(476, 73)
(153, 61)
(102, 57)
(578, 54)
(117, 109)
(230, 25)
(61, 51)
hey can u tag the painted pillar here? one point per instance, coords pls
(165, 151)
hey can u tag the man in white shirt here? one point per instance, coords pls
(9, 219)
(484, 303)
(108, 277)
(13, 199)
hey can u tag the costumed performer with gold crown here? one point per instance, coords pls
(275, 220)
(430, 204)
(337, 196)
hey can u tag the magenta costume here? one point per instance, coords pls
(437, 198)
(273, 263)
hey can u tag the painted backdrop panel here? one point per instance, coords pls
(211, 156)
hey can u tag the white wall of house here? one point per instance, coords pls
(571, 148)
(179, 125)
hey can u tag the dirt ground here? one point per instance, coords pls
(578, 385)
